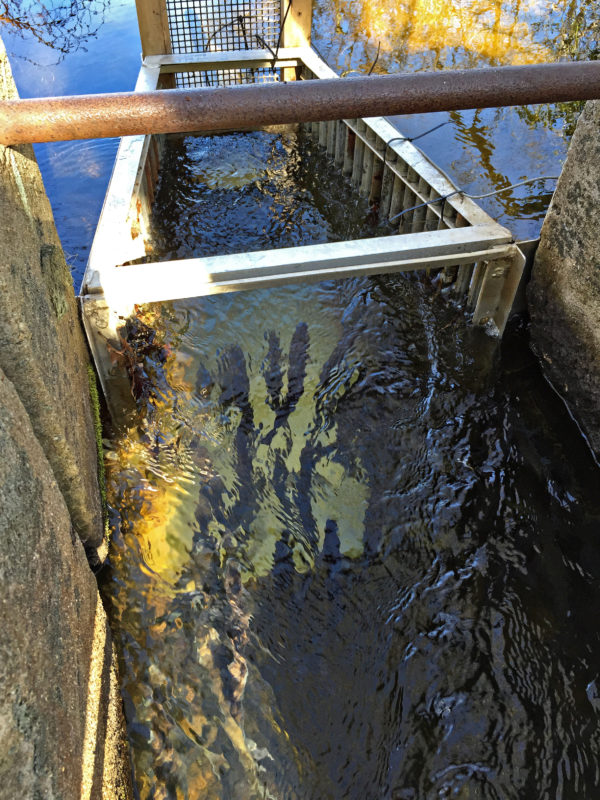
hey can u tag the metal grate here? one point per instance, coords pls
(213, 25)
(225, 77)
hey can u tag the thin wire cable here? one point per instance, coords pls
(261, 41)
(410, 138)
(512, 186)
(218, 30)
(240, 20)
(460, 192)
(376, 58)
(281, 27)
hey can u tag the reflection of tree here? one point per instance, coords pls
(572, 33)
(63, 25)
(455, 34)
(477, 134)
(430, 34)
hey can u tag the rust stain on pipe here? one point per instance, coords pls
(184, 110)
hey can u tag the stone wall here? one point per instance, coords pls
(42, 349)
(61, 722)
(564, 292)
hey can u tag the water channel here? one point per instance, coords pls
(354, 550)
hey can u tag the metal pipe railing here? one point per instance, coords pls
(239, 107)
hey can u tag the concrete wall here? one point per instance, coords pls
(61, 723)
(564, 292)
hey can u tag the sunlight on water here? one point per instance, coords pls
(437, 34)
(497, 32)
(336, 520)
(340, 519)
(354, 541)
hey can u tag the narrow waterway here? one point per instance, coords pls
(357, 557)
(354, 549)
(355, 539)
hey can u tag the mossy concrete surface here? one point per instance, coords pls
(42, 349)
(564, 292)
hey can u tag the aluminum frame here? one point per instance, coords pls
(382, 165)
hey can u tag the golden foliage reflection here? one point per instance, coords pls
(435, 34)
(492, 30)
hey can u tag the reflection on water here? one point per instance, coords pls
(432, 34)
(353, 550)
(62, 27)
(255, 191)
(440, 34)
(356, 556)
(488, 149)
(76, 174)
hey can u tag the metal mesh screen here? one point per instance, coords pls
(225, 77)
(213, 25)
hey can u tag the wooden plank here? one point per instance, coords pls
(298, 23)
(331, 129)
(397, 197)
(349, 152)
(341, 133)
(367, 165)
(463, 279)
(475, 284)
(357, 161)
(387, 186)
(323, 134)
(419, 214)
(509, 289)
(154, 26)
(376, 182)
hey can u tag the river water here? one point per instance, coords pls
(354, 549)
(354, 539)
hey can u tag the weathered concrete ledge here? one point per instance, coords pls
(61, 722)
(564, 292)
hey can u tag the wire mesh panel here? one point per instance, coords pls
(198, 26)
(226, 77)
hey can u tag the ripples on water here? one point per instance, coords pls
(256, 191)
(356, 546)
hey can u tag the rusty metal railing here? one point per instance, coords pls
(239, 107)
